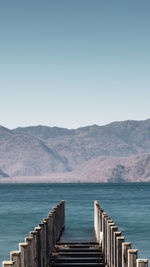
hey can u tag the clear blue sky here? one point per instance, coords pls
(72, 63)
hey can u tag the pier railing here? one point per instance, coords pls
(36, 250)
(117, 252)
(38, 246)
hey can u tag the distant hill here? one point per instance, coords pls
(117, 152)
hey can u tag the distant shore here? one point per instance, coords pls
(60, 179)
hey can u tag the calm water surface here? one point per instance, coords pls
(22, 207)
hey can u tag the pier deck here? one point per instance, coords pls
(77, 254)
(72, 250)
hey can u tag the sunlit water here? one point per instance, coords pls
(22, 207)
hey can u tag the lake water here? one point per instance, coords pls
(23, 206)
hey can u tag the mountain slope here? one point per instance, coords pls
(43, 132)
(85, 153)
(27, 155)
(119, 139)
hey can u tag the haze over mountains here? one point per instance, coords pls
(117, 152)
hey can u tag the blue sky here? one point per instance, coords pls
(72, 63)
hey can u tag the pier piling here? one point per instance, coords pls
(117, 252)
(142, 263)
(132, 257)
(15, 256)
(125, 247)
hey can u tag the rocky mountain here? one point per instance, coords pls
(119, 151)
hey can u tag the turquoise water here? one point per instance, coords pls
(22, 207)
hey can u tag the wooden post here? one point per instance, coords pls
(109, 225)
(57, 222)
(45, 221)
(132, 257)
(63, 214)
(96, 228)
(100, 218)
(54, 225)
(51, 231)
(141, 263)
(100, 226)
(39, 246)
(115, 247)
(8, 264)
(35, 247)
(98, 221)
(105, 238)
(120, 240)
(15, 256)
(125, 247)
(43, 242)
(113, 229)
(105, 245)
(61, 218)
(103, 232)
(108, 240)
(30, 259)
(24, 254)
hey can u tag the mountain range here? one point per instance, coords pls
(116, 152)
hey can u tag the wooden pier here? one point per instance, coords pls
(45, 246)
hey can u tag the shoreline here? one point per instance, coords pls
(60, 180)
